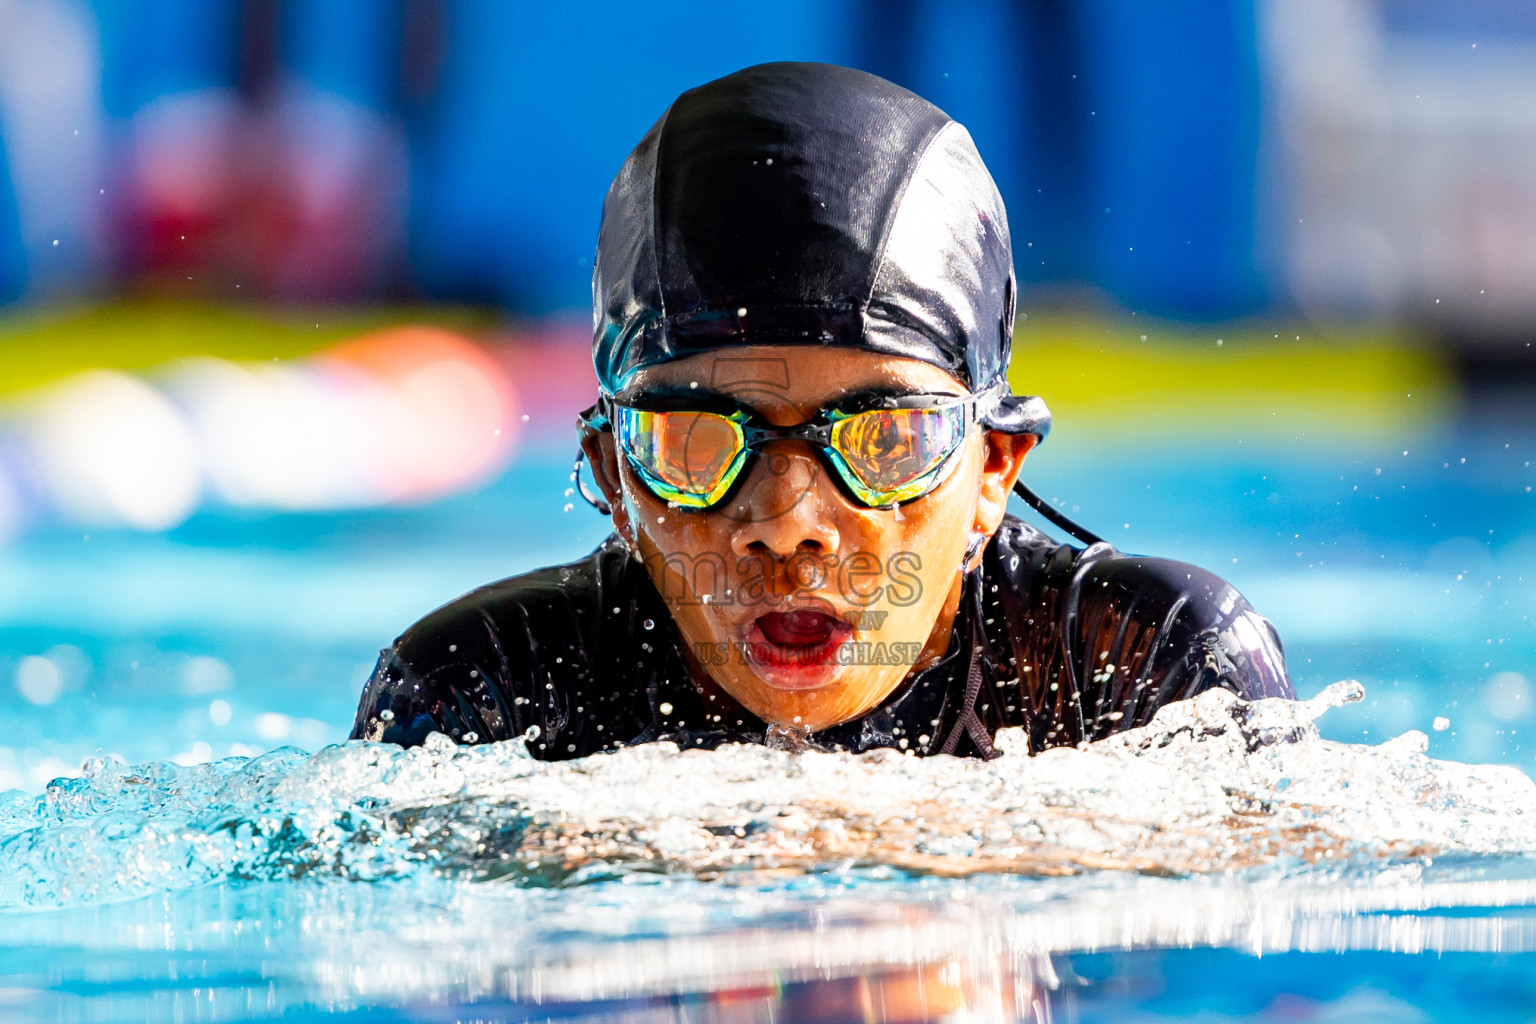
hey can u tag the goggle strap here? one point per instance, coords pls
(595, 500)
(1040, 505)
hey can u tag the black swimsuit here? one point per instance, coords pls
(1071, 644)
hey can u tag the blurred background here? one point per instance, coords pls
(294, 324)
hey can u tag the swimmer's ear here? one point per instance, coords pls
(1004, 458)
(603, 458)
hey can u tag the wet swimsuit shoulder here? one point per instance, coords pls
(1071, 644)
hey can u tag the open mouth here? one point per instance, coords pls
(802, 642)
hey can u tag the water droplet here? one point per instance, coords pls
(386, 715)
(664, 708)
(649, 623)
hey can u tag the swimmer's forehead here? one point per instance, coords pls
(810, 378)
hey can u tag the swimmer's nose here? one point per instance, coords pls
(780, 508)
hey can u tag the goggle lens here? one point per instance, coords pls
(885, 456)
(894, 455)
(690, 458)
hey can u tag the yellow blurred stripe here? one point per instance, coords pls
(1095, 372)
(1098, 375)
(41, 346)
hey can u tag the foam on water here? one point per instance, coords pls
(1212, 785)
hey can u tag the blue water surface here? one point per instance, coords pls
(1408, 563)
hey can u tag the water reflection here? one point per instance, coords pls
(1004, 990)
(995, 949)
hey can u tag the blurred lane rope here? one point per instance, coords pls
(401, 414)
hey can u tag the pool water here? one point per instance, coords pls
(1410, 566)
(758, 884)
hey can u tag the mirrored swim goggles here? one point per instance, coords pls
(882, 450)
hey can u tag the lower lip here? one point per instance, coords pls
(796, 668)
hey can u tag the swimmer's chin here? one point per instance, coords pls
(800, 680)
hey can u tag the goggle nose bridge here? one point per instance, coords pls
(819, 434)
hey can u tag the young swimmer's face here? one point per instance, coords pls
(801, 605)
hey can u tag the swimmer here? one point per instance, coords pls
(806, 440)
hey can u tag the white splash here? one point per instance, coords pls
(1213, 785)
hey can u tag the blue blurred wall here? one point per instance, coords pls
(12, 258)
(365, 68)
(155, 48)
(1123, 133)
(538, 106)
(1172, 142)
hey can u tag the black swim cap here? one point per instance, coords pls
(808, 204)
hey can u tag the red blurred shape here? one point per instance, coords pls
(453, 414)
(551, 364)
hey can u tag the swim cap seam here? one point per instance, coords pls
(894, 212)
(656, 178)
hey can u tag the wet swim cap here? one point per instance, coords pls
(808, 204)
